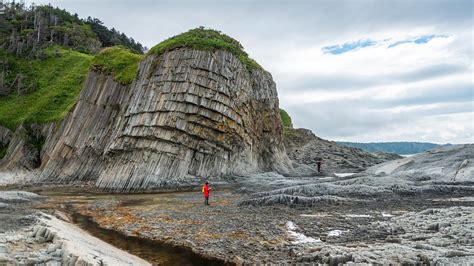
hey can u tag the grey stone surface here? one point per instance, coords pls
(447, 164)
(444, 171)
(17, 196)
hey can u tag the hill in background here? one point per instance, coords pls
(393, 147)
(45, 54)
(25, 29)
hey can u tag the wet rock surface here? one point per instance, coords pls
(388, 217)
(269, 218)
(395, 230)
(31, 237)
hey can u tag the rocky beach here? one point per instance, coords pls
(364, 218)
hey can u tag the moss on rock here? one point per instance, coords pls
(207, 40)
(286, 119)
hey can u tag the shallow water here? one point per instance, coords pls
(149, 250)
(155, 252)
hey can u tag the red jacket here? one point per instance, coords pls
(205, 190)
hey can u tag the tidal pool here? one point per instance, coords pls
(155, 252)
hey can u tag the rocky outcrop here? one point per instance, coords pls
(23, 146)
(305, 148)
(452, 164)
(188, 115)
(447, 170)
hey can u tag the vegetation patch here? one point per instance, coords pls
(25, 28)
(59, 77)
(207, 40)
(286, 119)
(118, 61)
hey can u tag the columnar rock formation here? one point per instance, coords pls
(188, 115)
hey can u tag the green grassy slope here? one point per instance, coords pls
(118, 61)
(285, 119)
(59, 79)
(208, 40)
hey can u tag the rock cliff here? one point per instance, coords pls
(188, 115)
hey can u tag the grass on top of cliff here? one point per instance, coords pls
(118, 61)
(285, 119)
(207, 40)
(57, 81)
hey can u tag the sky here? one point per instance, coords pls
(365, 71)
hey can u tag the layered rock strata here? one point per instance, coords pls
(188, 115)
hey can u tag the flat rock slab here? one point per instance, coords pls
(88, 249)
(17, 196)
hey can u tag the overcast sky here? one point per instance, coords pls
(348, 70)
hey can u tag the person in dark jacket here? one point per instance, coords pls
(319, 162)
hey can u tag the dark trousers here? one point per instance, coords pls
(206, 200)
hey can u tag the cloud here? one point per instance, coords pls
(350, 81)
(418, 40)
(354, 46)
(349, 121)
(347, 47)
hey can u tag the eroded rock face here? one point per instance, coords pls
(305, 148)
(189, 115)
(450, 164)
(75, 151)
(23, 146)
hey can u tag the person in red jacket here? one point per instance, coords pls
(205, 191)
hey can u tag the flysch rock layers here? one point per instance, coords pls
(188, 115)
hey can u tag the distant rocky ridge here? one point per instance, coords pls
(447, 164)
(306, 148)
(403, 148)
(443, 171)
